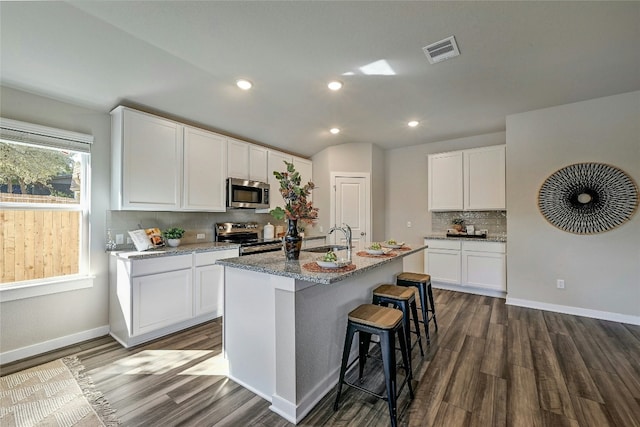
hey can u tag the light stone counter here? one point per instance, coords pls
(180, 250)
(275, 263)
(490, 238)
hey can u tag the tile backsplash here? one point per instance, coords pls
(194, 223)
(493, 221)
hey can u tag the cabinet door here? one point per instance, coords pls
(205, 171)
(258, 163)
(443, 265)
(484, 270)
(238, 159)
(445, 181)
(275, 160)
(151, 162)
(484, 178)
(305, 168)
(160, 300)
(209, 290)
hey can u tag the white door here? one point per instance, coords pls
(351, 206)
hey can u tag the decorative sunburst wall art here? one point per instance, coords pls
(588, 198)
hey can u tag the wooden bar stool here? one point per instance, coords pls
(423, 283)
(404, 299)
(387, 323)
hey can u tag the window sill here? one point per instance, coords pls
(36, 288)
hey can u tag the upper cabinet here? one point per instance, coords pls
(238, 159)
(246, 161)
(467, 180)
(205, 171)
(146, 161)
(305, 168)
(161, 165)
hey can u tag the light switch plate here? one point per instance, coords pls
(200, 236)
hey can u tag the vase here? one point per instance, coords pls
(174, 243)
(292, 241)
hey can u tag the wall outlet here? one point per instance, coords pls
(560, 283)
(119, 239)
(408, 224)
(129, 241)
(200, 236)
(321, 229)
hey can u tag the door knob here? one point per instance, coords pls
(363, 233)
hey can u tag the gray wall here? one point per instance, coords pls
(36, 320)
(406, 190)
(355, 157)
(601, 271)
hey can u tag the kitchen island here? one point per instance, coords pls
(284, 325)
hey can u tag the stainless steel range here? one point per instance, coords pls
(248, 235)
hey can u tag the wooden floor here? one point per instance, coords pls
(488, 365)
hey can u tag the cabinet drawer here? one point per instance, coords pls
(160, 264)
(443, 244)
(208, 258)
(496, 247)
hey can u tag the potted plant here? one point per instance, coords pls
(458, 224)
(297, 207)
(173, 236)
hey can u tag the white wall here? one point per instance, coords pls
(406, 190)
(56, 318)
(601, 271)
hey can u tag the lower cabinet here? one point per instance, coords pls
(153, 297)
(471, 266)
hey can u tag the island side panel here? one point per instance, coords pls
(310, 352)
(249, 330)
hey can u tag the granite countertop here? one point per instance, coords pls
(180, 250)
(275, 263)
(490, 238)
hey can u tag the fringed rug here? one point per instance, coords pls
(54, 394)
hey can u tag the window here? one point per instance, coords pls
(44, 202)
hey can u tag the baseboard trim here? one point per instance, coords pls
(55, 344)
(576, 311)
(469, 290)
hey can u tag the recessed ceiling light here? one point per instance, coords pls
(334, 131)
(413, 123)
(244, 84)
(335, 85)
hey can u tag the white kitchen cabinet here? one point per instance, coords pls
(445, 184)
(146, 161)
(209, 282)
(160, 300)
(205, 171)
(484, 265)
(258, 168)
(467, 180)
(484, 175)
(275, 161)
(161, 165)
(153, 297)
(237, 159)
(246, 161)
(305, 168)
(442, 261)
(467, 266)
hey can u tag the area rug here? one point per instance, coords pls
(57, 393)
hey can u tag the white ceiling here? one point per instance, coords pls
(182, 59)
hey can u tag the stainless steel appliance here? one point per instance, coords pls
(244, 193)
(247, 235)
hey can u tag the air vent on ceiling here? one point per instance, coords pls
(439, 51)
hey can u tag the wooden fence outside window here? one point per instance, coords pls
(36, 244)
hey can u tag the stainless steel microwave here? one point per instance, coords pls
(243, 193)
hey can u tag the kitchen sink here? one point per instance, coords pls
(325, 248)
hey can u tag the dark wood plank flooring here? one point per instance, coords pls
(488, 365)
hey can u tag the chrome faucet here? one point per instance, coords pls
(347, 234)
